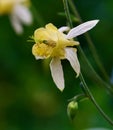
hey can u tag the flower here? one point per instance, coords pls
(51, 42)
(18, 13)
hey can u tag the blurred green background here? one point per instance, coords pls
(29, 100)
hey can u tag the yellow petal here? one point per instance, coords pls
(63, 42)
(52, 31)
(47, 33)
(40, 35)
(42, 50)
(67, 43)
(51, 27)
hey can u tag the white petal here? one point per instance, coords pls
(57, 73)
(63, 29)
(23, 14)
(82, 28)
(71, 55)
(16, 24)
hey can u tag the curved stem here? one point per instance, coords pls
(85, 87)
(89, 94)
(90, 42)
(78, 97)
(92, 47)
(93, 72)
(97, 77)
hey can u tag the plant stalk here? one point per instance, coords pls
(86, 89)
(90, 43)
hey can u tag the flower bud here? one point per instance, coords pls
(72, 109)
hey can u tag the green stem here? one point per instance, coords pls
(93, 72)
(86, 89)
(95, 55)
(89, 94)
(97, 77)
(78, 97)
(65, 2)
(90, 42)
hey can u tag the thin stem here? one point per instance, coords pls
(80, 49)
(74, 9)
(95, 55)
(78, 97)
(90, 42)
(89, 94)
(96, 76)
(86, 89)
(65, 2)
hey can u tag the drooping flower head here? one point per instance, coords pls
(18, 12)
(51, 42)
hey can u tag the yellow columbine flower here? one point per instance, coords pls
(18, 13)
(53, 43)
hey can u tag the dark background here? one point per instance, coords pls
(29, 100)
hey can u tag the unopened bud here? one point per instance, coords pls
(72, 109)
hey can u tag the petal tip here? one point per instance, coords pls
(95, 21)
(82, 28)
(77, 75)
(61, 89)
